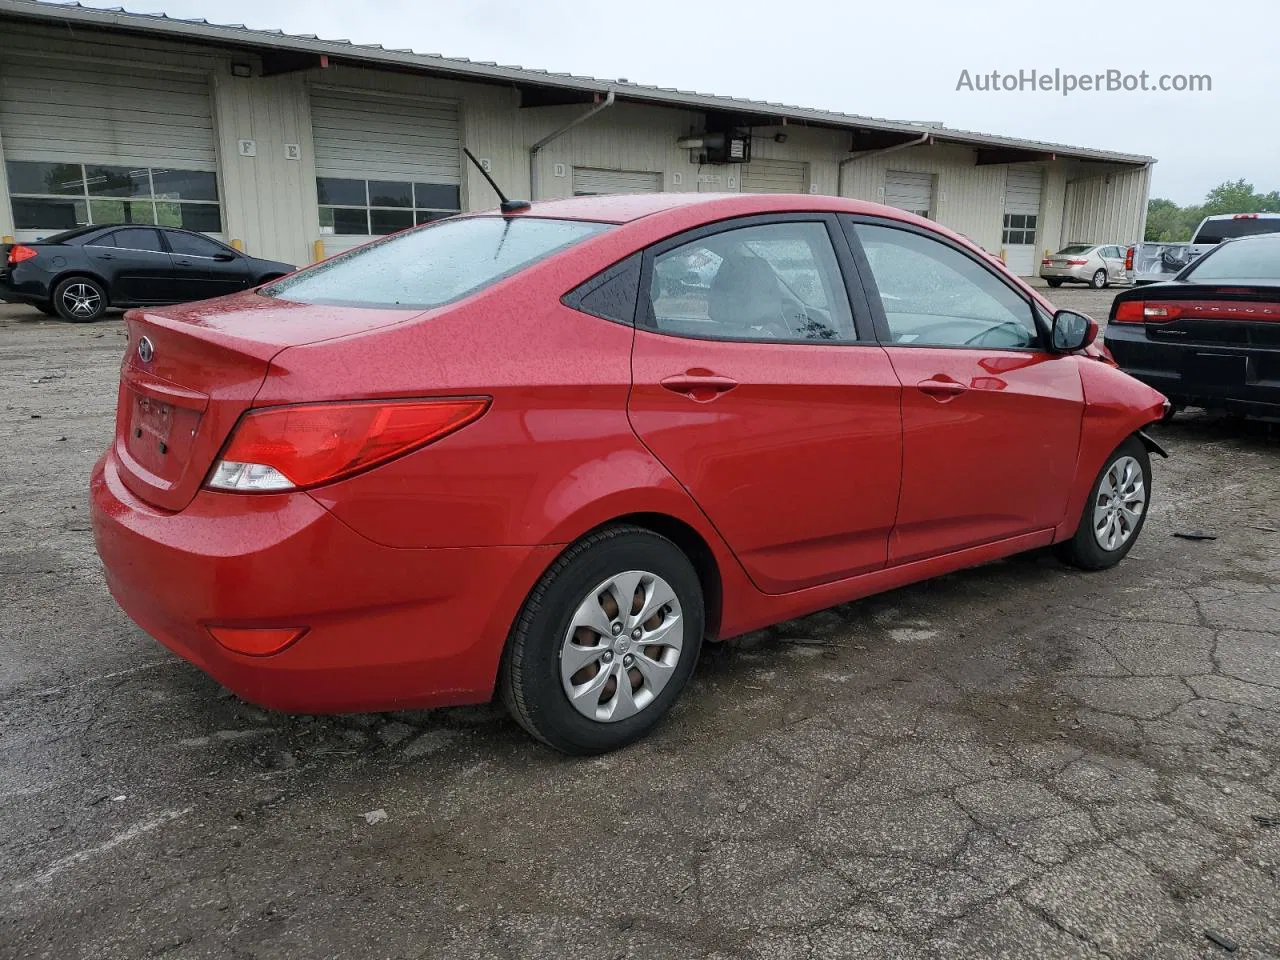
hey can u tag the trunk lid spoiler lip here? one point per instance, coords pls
(157, 388)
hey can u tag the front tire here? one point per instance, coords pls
(605, 643)
(1100, 280)
(1115, 512)
(80, 300)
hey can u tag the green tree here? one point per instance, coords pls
(1238, 196)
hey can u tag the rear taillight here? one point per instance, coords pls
(1136, 311)
(1128, 259)
(1045, 262)
(290, 448)
(1161, 312)
(18, 253)
(1250, 311)
(1077, 263)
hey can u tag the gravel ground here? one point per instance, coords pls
(1016, 761)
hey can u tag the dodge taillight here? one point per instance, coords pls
(291, 448)
(18, 253)
(1128, 311)
(1128, 259)
(1138, 311)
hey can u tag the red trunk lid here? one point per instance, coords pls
(183, 390)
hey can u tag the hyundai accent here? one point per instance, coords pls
(551, 453)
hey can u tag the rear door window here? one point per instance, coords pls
(139, 238)
(772, 281)
(433, 265)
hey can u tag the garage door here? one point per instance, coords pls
(909, 191)
(589, 182)
(775, 176)
(1022, 219)
(382, 163)
(93, 143)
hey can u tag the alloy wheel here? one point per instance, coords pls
(622, 646)
(81, 300)
(1121, 498)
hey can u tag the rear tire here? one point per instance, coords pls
(577, 632)
(1054, 283)
(79, 300)
(1100, 280)
(46, 309)
(1115, 512)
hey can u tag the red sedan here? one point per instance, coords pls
(554, 451)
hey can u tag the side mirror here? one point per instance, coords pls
(224, 257)
(1071, 331)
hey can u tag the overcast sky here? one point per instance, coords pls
(897, 59)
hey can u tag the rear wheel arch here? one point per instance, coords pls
(694, 546)
(77, 272)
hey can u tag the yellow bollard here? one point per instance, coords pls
(6, 239)
(238, 244)
(317, 251)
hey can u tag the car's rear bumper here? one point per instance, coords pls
(387, 628)
(1191, 374)
(16, 290)
(1065, 273)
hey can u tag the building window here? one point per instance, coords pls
(59, 196)
(377, 207)
(1019, 229)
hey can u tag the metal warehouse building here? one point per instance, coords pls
(293, 147)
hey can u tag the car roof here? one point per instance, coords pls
(1242, 216)
(626, 207)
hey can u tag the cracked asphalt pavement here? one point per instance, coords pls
(1017, 761)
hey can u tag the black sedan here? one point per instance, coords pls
(1211, 336)
(76, 275)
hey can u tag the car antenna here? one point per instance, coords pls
(506, 206)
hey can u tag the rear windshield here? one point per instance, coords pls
(1077, 248)
(68, 236)
(433, 265)
(1243, 261)
(1215, 231)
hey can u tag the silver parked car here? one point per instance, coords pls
(1097, 264)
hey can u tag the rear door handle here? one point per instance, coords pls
(699, 387)
(941, 390)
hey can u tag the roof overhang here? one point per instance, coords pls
(283, 53)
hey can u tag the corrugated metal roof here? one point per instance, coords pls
(238, 35)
